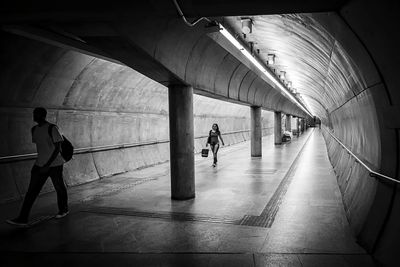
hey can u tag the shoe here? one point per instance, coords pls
(18, 222)
(61, 215)
(214, 165)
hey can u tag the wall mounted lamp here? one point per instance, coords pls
(271, 59)
(282, 75)
(247, 25)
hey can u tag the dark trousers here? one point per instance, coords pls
(37, 181)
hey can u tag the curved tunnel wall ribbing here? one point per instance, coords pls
(378, 38)
(343, 63)
(331, 69)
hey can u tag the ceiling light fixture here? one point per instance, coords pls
(247, 25)
(248, 29)
(282, 75)
(271, 59)
(253, 60)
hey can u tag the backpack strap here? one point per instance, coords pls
(50, 129)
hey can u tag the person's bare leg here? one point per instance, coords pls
(215, 151)
(212, 150)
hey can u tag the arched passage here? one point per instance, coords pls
(345, 60)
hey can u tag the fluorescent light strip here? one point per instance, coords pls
(260, 67)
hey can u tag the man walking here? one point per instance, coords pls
(49, 162)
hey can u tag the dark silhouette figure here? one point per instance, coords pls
(213, 139)
(49, 162)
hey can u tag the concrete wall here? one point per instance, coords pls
(352, 117)
(95, 103)
(357, 187)
(368, 124)
(348, 68)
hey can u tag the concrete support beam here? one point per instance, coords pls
(298, 126)
(278, 128)
(288, 123)
(181, 134)
(256, 131)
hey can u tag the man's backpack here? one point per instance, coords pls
(67, 149)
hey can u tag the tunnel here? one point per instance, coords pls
(136, 86)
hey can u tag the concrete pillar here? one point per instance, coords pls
(298, 126)
(288, 123)
(256, 131)
(278, 128)
(301, 125)
(181, 135)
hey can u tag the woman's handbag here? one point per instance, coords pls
(204, 152)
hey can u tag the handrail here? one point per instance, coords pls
(83, 150)
(372, 173)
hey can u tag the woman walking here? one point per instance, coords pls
(213, 139)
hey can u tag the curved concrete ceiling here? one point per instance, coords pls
(191, 56)
(318, 66)
(172, 54)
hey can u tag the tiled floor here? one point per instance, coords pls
(130, 219)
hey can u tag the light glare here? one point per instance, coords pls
(260, 67)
